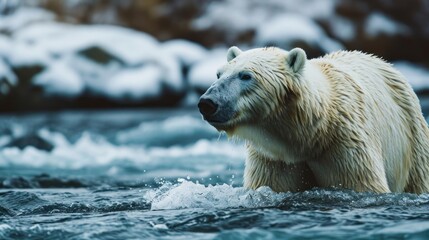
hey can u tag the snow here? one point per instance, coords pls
(342, 28)
(135, 84)
(185, 51)
(24, 16)
(5, 44)
(171, 69)
(94, 75)
(288, 28)
(7, 78)
(203, 74)
(241, 15)
(378, 23)
(416, 75)
(130, 46)
(218, 15)
(139, 69)
(39, 32)
(60, 80)
(312, 8)
(7, 74)
(23, 54)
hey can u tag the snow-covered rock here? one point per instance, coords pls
(135, 84)
(378, 23)
(24, 54)
(203, 74)
(241, 15)
(108, 61)
(187, 52)
(22, 17)
(285, 30)
(5, 46)
(130, 46)
(342, 28)
(60, 80)
(7, 78)
(172, 72)
(93, 74)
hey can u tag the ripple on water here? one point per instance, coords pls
(17, 201)
(348, 199)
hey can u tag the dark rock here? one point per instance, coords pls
(16, 182)
(413, 14)
(99, 55)
(45, 181)
(31, 139)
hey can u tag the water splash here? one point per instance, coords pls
(187, 194)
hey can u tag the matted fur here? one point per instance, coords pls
(347, 120)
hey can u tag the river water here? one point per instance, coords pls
(167, 174)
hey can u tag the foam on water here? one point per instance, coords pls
(172, 131)
(174, 141)
(187, 194)
(90, 150)
(208, 160)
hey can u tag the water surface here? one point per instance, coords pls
(167, 174)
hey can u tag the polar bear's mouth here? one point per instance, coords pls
(216, 123)
(227, 125)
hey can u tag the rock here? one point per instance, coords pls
(203, 74)
(290, 30)
(17, 182)
(46, 181)
(31, 139)
(99, 55)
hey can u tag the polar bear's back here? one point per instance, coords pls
(390, 111)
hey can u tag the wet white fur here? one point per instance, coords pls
(350, 120)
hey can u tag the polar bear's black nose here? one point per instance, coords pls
(207, 107)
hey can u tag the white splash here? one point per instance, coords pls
(188, 194)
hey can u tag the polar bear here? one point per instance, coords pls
(345, 120)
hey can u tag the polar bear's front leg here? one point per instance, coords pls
(276, 174)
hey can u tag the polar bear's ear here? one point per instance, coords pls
(233, 52)
(296, 59)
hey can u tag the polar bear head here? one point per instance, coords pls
(251, 86)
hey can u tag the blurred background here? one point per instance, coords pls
(57, 55)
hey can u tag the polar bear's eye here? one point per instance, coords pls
(244, 76)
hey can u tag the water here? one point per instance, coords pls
(167, 174)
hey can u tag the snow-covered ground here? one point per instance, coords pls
(109, 61)
(125, 65)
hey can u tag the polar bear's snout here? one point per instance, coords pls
(217, 104)
(207, 107)
(214, 111)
